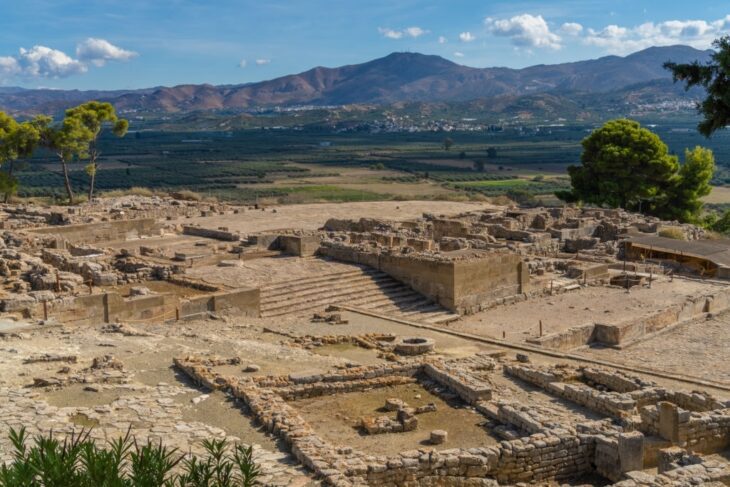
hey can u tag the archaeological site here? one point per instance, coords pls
(395, 343)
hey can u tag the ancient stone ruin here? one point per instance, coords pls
(394, 345)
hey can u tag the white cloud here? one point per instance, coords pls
(44, 62)
(390, 33)
(263, 62)
(242, 63)
(9, 66)
(525, 31)
(443, 40)
(413, 32)
(696, 33)
(458, 54)
(467, 37)
(571, 28)
(99, 51)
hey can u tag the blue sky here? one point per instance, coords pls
(109, 44)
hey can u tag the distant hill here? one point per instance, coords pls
(398, 77)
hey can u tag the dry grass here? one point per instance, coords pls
(134, 191)
(719, 195)
(189, 195)
(672, 232)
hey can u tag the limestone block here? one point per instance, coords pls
(631, 451)
(438, 437)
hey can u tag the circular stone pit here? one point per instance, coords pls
(414, 345)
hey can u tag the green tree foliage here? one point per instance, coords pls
(448, 143)
(621, 165)
(69, 140)
(714, 77)
(683, 198)
(479, 165)
(78, 461)
(17, 142)
(95, 116)
(8, 185)
(719, 224)
(492, 152)
(627, 166)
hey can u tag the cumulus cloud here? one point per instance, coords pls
(467, 37)
(571, 28)
(46, 62)
(459, 54)
(443, 40)
(99, 51)
(242, 63)
(413, 32)
(696, 33)
(525, 30)
(9, 66)
(263, 62)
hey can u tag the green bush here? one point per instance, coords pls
(78, 461)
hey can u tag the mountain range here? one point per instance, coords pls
(398, 77)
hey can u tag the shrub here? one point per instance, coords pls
(186, 194)
(133, 191)
(672, 232)
(78, 461)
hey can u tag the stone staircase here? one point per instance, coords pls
(359, 287)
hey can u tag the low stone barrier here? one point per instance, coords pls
(217, 234)
(470, 389)
(619, 334)
(540, 457)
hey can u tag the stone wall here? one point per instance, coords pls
(573, 337)
(112, 307)
(244, 302)
(460, 285)
(539, 457)
(214, 233)
(456, 377)
(94, 233)
(109, 307)
(480, 282)
(299, 245)
(619, 334)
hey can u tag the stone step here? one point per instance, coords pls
(299, 311)
(399, 306)
(268, 297)
(428, 308)
(324, 300)
(360, 287)
(309, 281)
(442, 317)
(363, 289)
(388, 298)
